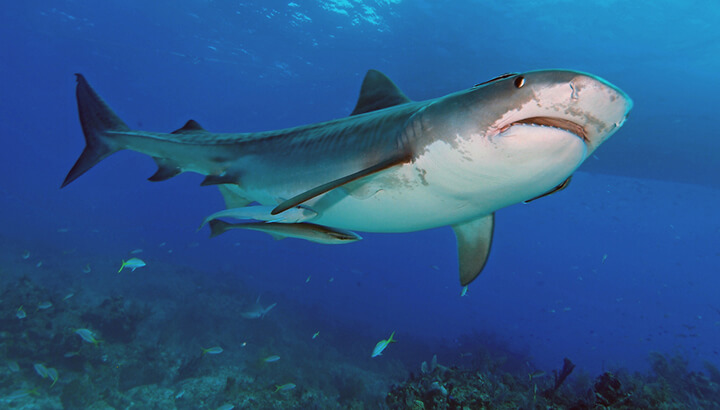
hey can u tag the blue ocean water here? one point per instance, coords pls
(621, 264)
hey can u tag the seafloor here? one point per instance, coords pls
(148, 353)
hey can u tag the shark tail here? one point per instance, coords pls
(97, 120)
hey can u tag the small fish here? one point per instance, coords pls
(604, 258)
(39, 264)
(132, 263)
(63, 230)
(87, 335)
(264, 213)
(162, 244)
(305, 230)
(226, 406)
(285, 387)
(44, 305)
(270, 359)
(20, 314)
(316, 334)
(463, 292)
(18, 394)
(308, 279)
(536, 374)
(381, 345)
(68, 296)
(26, 255)
(212, 350)
(179, 395)
(71, 354)
(136, 251)
(41, 370)
(87, 269)
(257, 311)
(53, 375)
(13, 366)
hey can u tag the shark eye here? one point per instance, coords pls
(519, 81)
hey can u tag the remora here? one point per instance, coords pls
(393, 165)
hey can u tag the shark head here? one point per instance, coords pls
(580, 104)
(521, 135)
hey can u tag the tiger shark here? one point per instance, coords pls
(393, 165)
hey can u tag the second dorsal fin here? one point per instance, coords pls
(190, 126)
(378, 92)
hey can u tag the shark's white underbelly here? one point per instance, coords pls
(440, 189)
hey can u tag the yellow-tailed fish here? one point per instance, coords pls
(270, 359)
(285, 387)
(381, 345)
(212, 350)
(53, 375)
(41, 370)
(316, 335)
(132, 263)
(87, 335)
(18, 394)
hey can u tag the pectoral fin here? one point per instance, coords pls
(552, 191)
(308, 195)
(474, 239)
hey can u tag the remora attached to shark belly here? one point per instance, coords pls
(393, 165)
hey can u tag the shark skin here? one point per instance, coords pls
(393, 165)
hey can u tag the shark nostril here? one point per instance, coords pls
(574, 95)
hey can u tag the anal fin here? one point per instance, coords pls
(474, 239)
(166, 170)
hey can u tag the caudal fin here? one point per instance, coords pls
(97, 119)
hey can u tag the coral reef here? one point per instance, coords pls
(128, 349)
(668, 385)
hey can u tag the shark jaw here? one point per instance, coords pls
(559, 123)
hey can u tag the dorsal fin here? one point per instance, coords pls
(378, 92)
(190, 126)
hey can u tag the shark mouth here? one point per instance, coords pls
(559, 123)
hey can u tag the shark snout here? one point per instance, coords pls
(599, 107)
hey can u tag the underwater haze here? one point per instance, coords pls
(603, 294)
